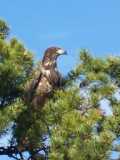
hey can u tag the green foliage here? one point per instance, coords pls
(10, 113)
(72, 133)
(15, 66)
(4, 29)
(71, 125)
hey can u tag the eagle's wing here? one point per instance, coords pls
(55, 78)
(41, 85)
(32, 84)
(48, 82)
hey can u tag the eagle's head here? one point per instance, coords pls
(51, 55)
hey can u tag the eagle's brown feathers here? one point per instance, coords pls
(46, 80)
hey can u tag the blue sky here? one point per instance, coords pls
(71, 24)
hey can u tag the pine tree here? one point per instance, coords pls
(71, 125)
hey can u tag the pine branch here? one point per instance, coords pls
(9, 150)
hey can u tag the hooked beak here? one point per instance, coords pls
(62, 52)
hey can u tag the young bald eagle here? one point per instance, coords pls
(48, 78)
